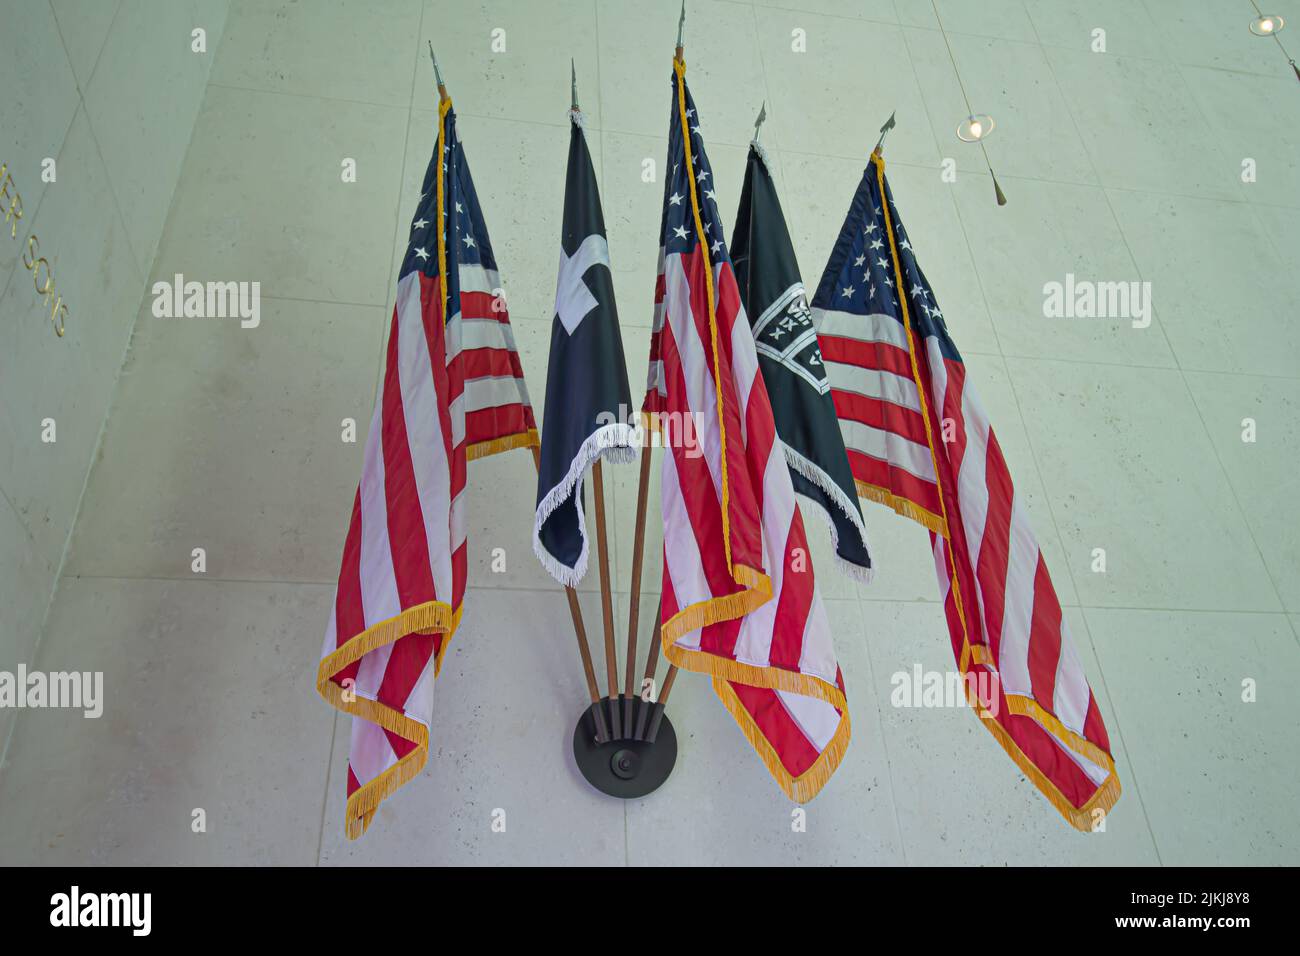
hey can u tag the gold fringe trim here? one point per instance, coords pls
(758, 591)
(493, 446)
(904, 506)
(433, 617)
(1109, 791)
(980, 655)
(363, 804)
(729, 607)
(1081, 818)
(808, 784)
(1028, 707)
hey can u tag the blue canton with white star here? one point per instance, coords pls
(467, 241)
(678, 232)
(860, 278)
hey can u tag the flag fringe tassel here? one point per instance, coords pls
(848, 507)
(1023, 706)
(808, 784)
(363, 804)
(1081, 818)
(906, 508)
(493, 446)
(615, 443)
(433, 617)
(758, 591)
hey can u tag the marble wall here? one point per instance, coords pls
(108, 90)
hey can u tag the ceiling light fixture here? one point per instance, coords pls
(975, 128)
(1266, 25)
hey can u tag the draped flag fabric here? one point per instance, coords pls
(919, 440)
(453, 390)
(790, 360)
(587, 394)
(739, 599)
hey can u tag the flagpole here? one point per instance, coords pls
(658, 716)
(634, 599)
(584, 650)
(606, 599)
(652, 658)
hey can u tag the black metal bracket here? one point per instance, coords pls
(632, 765)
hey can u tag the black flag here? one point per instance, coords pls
(587, 395)
(790, 360)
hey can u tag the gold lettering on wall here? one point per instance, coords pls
(33, 262)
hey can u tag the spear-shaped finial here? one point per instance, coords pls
(889, 124)
(573, 84)
(681, 25)
(437, 73)
(762, 115)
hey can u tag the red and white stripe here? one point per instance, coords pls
(497, 411)
(1010, 605)
(1003, 613)
(875, 397)
(404, 559)
(452, 391)
(772, 660)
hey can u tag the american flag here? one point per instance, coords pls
(919, 441)
(739, 599)
(453, 390)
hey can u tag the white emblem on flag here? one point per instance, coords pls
(573, 300)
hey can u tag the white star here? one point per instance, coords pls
(871, 228)
(695, 131)
(710, 194)
(872, 291)
(703, 175)
(717, 244)
(419, 224)
(917, 290)
(680, 232)
(459, 207)
(866, 277)
(675, 199)
(889, 282)
(421, 254)
(859, 260)
(848, 292)
(876, 244)
(905, 245)
(690, 113)
(882, 263)
(469, 240)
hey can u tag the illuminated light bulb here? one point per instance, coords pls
(975, 128)
(1266, 25)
